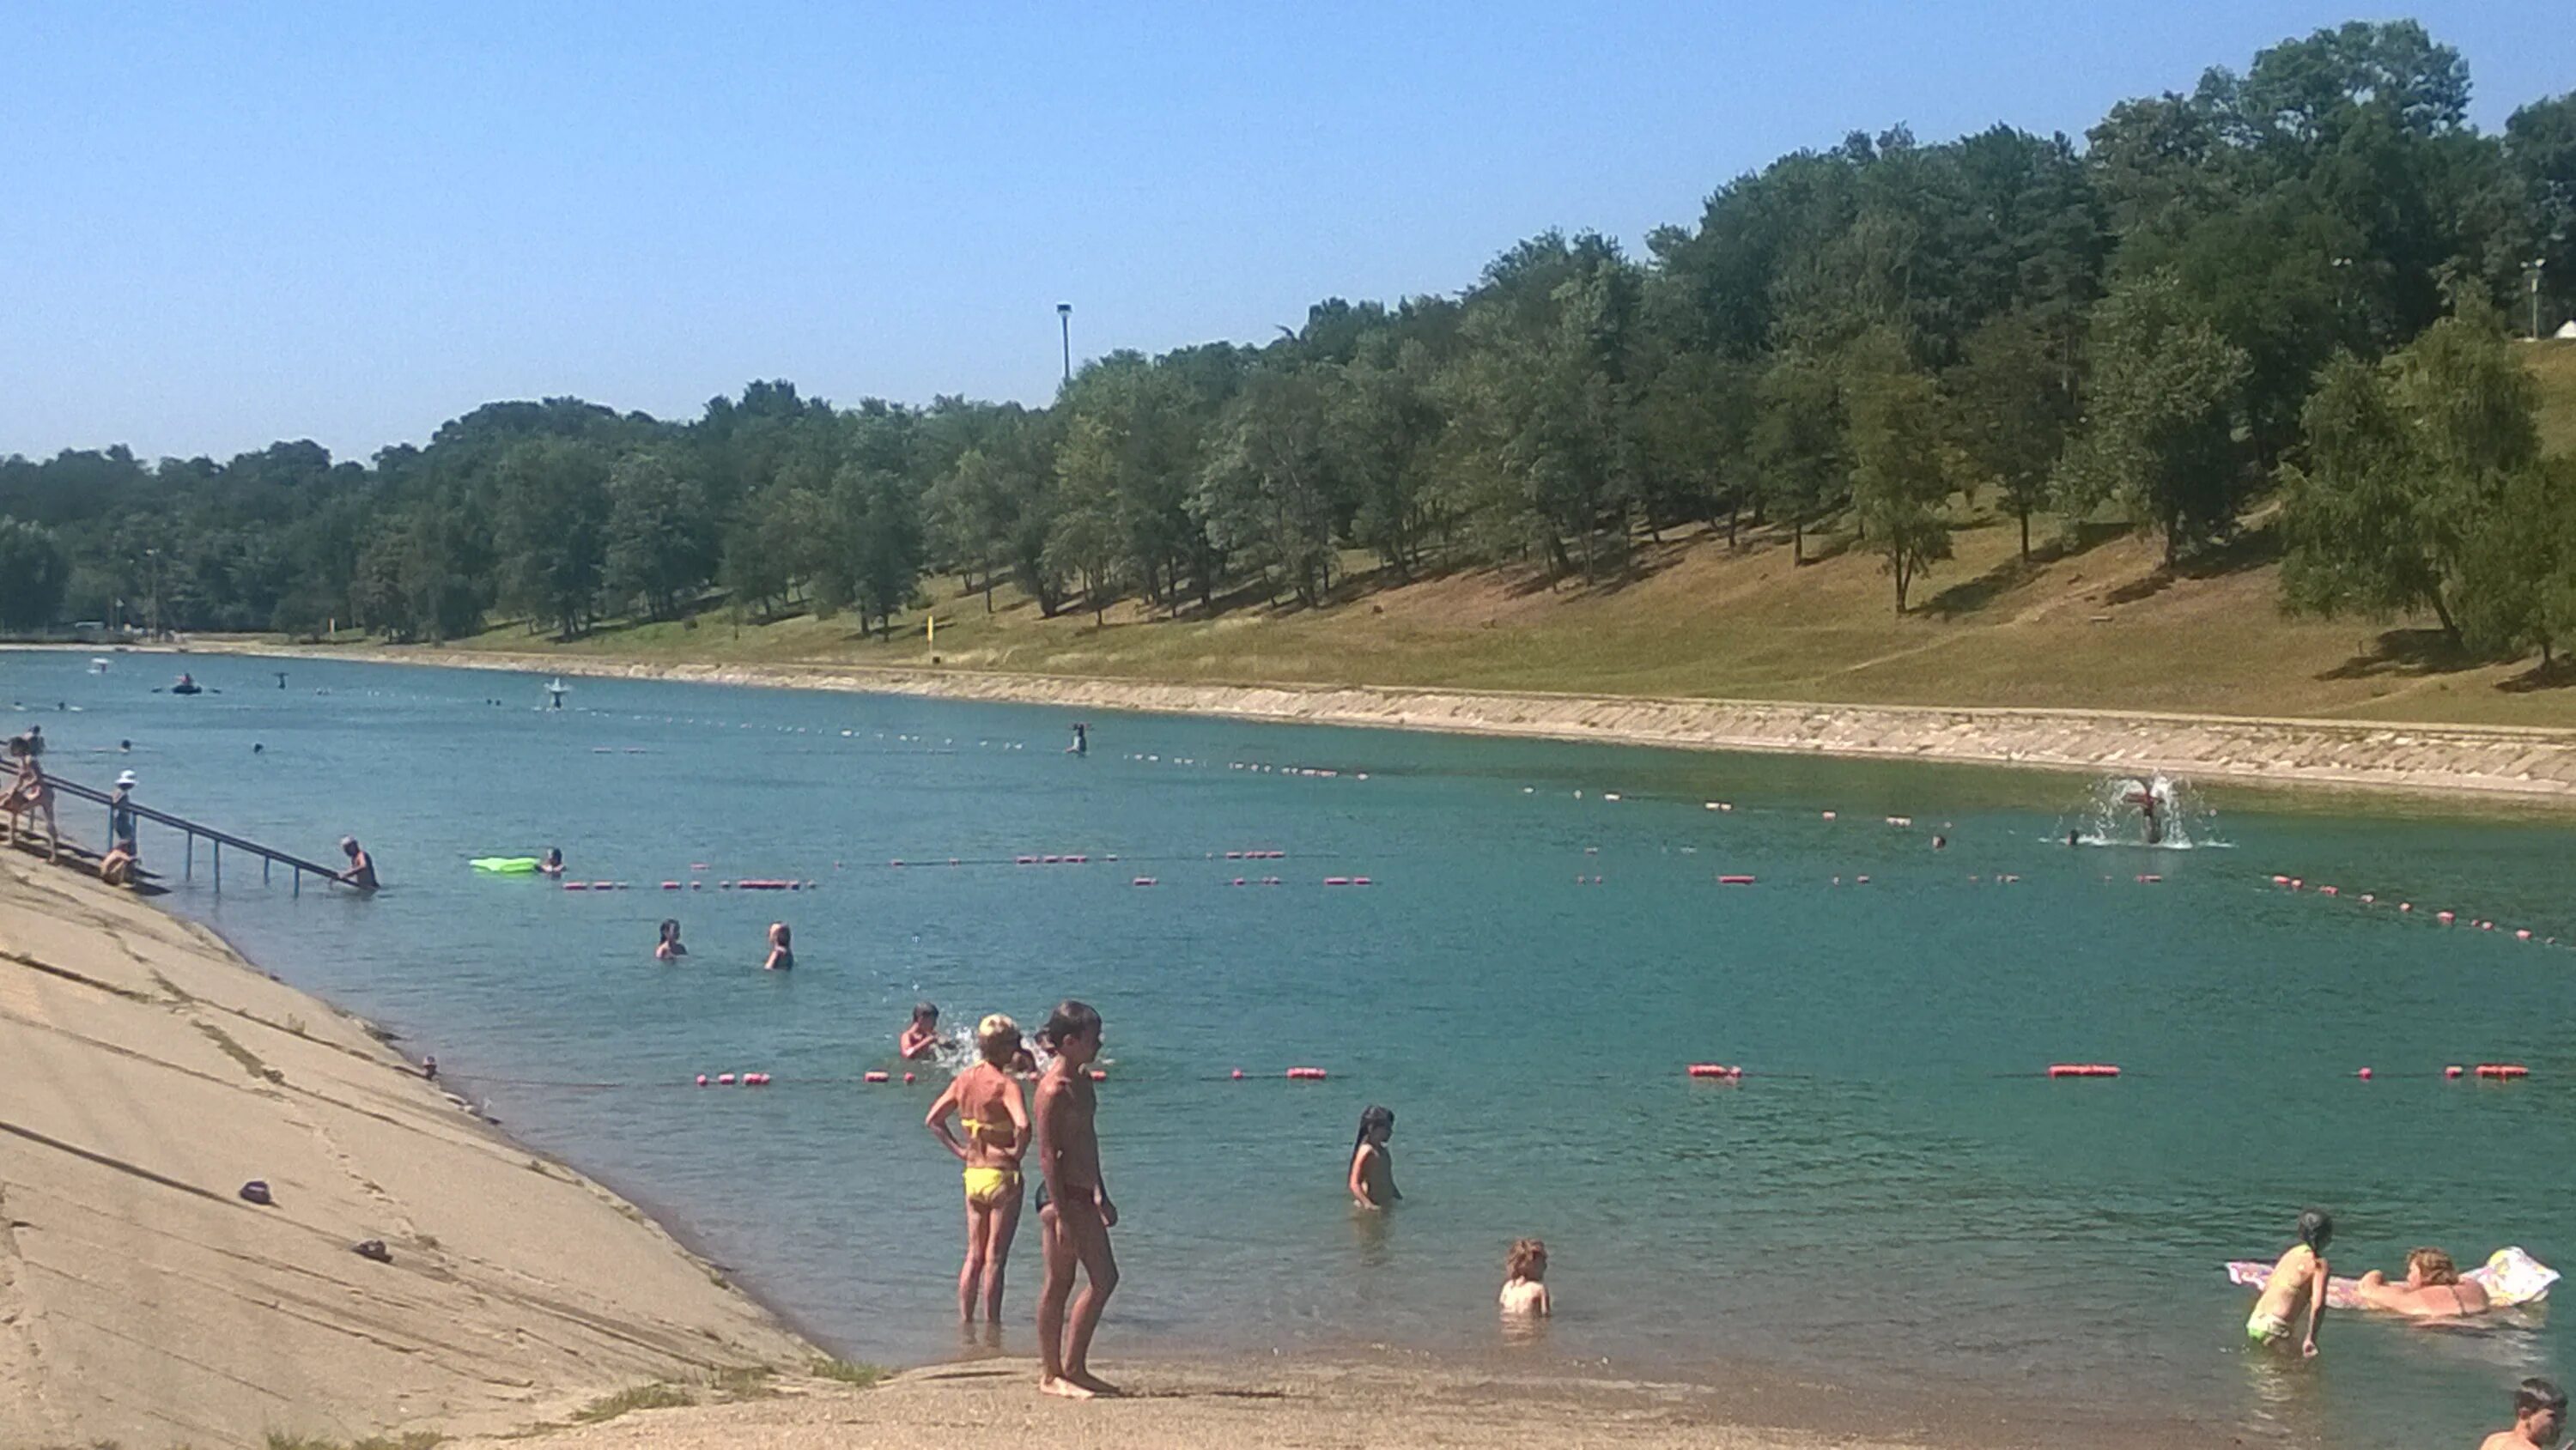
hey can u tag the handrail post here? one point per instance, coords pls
(188, 870)
(219, 868)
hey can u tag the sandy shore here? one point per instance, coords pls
(150, 1074)
(974, 1406)
(2489, 761)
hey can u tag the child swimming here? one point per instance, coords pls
(668, 948)
(985, 1099)
(2299, 1274)
(1525, 1280)
(780, 957)
(922, 1036)
(1372, 1176)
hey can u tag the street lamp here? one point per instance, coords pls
(1064, 316)
(2537, 263)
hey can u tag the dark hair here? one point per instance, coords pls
(670, 927)
(924, 1009)
(2316, 1228)
(1069, 1019)
(2536, 1394)
(1372, 1116)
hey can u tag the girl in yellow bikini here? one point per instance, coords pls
(985, 1099)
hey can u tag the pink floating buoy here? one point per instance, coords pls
(1717, 1070)
(2149, 880)
(1306, 1074)
(1829, 815)
(1238, 881)
(2406, 906)
(1234, 855)
(757, 1079)
(2503, 1070)
(907, 1077)
(2296, 883)
(603, 886)
(2280, 880)
(1099, 1075)
(1142, 881)
(873, 1077)
(2486, 926)
(2452, 1071)
(2522, 934)
(576, 886)
(725, 1078)
(1364, 881)
(1337, 881)
(1238, 1074)
(2444, 917)
(2367, 898)
(1860, 881)
(702, 1079)
(896, 861)
(1024, 860)
(2364, 1074)
(1735, 881)
(697, 865)
(670, 885)
(2327, 891)
(2082, 1069)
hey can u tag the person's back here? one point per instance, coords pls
(2433, 1289)
(2539, 1418)
(2297, 1280)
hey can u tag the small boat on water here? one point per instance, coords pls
(187, 686)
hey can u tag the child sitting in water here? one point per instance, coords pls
(2299, 1275)
(669, 948)
(780, 958)
(1372, 1176)
(922, 1035)
(1525, 1280)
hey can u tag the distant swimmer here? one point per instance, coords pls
(1525, 1280)
(2151, 808)
(554, 693)
(985, 1099)
(1940, 842)
(921, 1035)
(781, 958)
(1372, 1175)
(2074, 839)
(2297, 1279)
(668, 949)
(362, 867)
(2432, 1289)
(551, 864)
(2539, 1419)
(125, 747)
(1081, 740)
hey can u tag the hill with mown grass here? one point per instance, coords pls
(2093, 619)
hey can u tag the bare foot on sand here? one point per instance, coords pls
(1093, 1383)
(1064, 1387)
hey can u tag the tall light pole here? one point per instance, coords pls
(1064, 316)
(2537, 263)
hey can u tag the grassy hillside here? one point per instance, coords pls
(2093, 623)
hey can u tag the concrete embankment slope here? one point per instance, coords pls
(2492, 761)
(146, 1073)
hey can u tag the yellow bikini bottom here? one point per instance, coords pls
(988, 1186)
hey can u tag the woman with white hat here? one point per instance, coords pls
(116, 868)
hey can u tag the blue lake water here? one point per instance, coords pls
(1892, 1194)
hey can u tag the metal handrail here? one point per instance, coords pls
(194, 829)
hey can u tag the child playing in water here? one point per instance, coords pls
(1525, 1280)
(923, 1035)
(1372, 1177)
(985, 1098)
(668, 949)
(2300, 1274)
(780, 958)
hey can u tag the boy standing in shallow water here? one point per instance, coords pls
(2299, 1275)
(1069, 1161)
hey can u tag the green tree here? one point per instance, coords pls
(554, 502)
(1083, 538)
(1797, 444)
(1271, 488)
(2158, 437)
(33, 573)
(2012, 406)
(659, 534)
(2406, 462)
(1900, 476)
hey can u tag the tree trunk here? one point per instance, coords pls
(1797, 541)
(2025, 533)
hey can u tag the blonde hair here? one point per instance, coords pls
(2436, 1265)
(998, 1038)
(1527, 1260)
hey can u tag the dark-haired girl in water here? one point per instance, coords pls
(1372, 1177)
(780, 957)
(668, 949)
(921, 1037)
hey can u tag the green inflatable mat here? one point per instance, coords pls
(505, 865)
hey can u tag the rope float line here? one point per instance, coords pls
(2445, 918)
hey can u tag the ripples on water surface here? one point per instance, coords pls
(1890, 1192)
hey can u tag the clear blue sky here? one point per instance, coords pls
(222, 225)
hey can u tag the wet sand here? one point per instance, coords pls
(2491, 762)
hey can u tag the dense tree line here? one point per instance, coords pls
(2296, 280)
